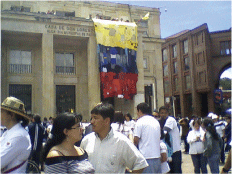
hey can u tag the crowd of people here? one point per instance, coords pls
(113, 142)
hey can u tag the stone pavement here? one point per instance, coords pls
(187, 165)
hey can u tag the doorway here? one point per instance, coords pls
(204, 104)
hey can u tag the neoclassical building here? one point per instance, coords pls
(49, 55)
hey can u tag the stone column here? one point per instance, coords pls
(159, 76)
(4, 74)
(140, 96)
(93, 74)
(48, 88)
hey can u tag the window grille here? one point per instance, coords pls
(24, 93)
(65, 98)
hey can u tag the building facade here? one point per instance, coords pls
(49, 56)
(193, 61)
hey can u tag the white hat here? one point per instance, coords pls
(212, 115)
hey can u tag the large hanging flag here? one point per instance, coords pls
(116, 48)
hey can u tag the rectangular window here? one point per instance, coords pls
(166, 86)
(106, 17)
(176, 86)
(65, 98)
(200, 58)
(164, 55)
(185, 46)
(20, 8)
(20, 62)
(199, 38)
(187, 82)
(145, 63)
(65, 14)
(165, 70)
(186, 63)
(24, 93)
(175, 69)
(225, 48)
(174, 51)
(65, 63)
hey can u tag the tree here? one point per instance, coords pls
(226, 83)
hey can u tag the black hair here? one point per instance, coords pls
(194, 117)
(144, 108)
(37, 118)
(208, 124)
(119, 117)
(196, 121)
(106, 110)
(61, 122)
(164, 108)
(128, 115)
(162, 121)
(79, 116)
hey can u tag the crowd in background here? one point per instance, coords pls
(113, 141)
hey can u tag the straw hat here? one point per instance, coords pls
(16, 106)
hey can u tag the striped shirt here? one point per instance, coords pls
(68, 165)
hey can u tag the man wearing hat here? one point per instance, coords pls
(15, 142)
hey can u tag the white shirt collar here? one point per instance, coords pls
(108, 136)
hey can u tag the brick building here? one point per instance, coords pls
(193, 61)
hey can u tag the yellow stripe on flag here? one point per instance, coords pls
(116, 33)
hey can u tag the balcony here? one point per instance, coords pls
(65, 70)
(20, 68)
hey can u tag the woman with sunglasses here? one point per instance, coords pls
(61, 156)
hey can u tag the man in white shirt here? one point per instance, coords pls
(15, 142)
(147, 136)
(170, 126)
(110, 151)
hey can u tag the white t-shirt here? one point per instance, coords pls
(196, 146)
(171, 123)
(164, 166)
(130, 124)
(148, 130)
(122, 128)
(220, 126)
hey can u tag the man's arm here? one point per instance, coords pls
(139, 171)
(136, 141)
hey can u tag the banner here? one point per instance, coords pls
(218, 96)
(116, 49)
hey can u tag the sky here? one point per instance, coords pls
(182, 15)
(227, 74)
(178, 15)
